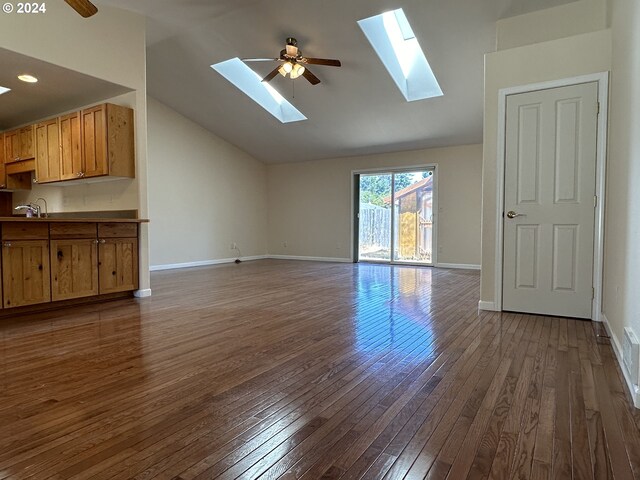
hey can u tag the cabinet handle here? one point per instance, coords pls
(7, 244)
(35, 180)
(103, 241)
(96, 242)
(16, 159)
(80, 174)
(3, 186)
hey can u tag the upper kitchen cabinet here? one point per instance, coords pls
(3, 172)
(47, 151)
(70, 146)
(19, 144)
(107, 142)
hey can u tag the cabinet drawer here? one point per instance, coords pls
(117, 230)
(60, 231)
(25, 231)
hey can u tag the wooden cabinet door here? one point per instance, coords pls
(3, 171)
(12, 146)
(27, 143)
(94, 141)
(118, 264)
(25, 272)
(47, 152)
(71, 146)
(74, 268)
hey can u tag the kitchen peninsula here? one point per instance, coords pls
(51, 262)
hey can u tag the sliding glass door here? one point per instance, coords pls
(395, 217)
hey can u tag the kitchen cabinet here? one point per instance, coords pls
(19, 144)
(3, 171)
(74, 260)
(117, 257)
(107, 142)
(70, 146)
(47, 151)
(25, 264)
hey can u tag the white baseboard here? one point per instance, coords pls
(311, 259)
(203, 263)
(463, 266)
(142, 293)
(617, 350)
(490, 306)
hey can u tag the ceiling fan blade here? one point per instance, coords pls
(83, 7)
(313, 80)
(260, 59)
(271, 75)
(321, 61)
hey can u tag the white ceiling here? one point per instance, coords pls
(357, 109)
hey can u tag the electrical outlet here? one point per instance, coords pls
(284, 244)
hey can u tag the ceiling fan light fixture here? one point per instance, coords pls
(287, 67)
(297, 71)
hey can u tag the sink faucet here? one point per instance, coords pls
(46, 207)
(32, 209)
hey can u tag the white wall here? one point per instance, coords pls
(310, 202)
(110, 46)
(552, 60)
(621, 304)
(566, 20)
(204, 193)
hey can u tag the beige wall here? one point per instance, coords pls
(310, 202)
(204, 193)
(621, 304)
(110, 46)
(567, 20)
(553, 60)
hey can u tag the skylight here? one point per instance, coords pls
(393, 40)
(249, 82)
(4, 89)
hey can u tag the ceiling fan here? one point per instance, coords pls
(294, 64)
(83, 7)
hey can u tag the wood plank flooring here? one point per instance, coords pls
(275, 369)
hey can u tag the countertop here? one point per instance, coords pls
(72, 220)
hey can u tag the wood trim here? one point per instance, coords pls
(46, 307)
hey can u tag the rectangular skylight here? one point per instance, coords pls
(249, 82)
(393, 40)
(4, 89)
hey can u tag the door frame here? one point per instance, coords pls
(355, 204)
(602, 79)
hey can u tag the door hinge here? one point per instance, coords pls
(593, 292)
(597, 108)
(595, 201)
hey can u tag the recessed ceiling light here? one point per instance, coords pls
(4, 90)
(25, 77)
(245, 79)
(395, 43)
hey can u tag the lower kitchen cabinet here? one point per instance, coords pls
(118, 264)
(74, 268)
(25, 272)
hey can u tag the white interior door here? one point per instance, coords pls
(550, 177)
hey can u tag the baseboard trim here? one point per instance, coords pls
(311, 259)
(462, 266)
(489, 306)
(203, 263)
(142, 293)
(617, 350)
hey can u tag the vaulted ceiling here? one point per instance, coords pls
(357, 109)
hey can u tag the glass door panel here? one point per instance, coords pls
(413, 217)
(374, 217)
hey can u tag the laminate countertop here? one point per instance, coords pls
(72, 220)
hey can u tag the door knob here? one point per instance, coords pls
(512, 214)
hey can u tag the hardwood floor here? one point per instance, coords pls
(275, 369)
